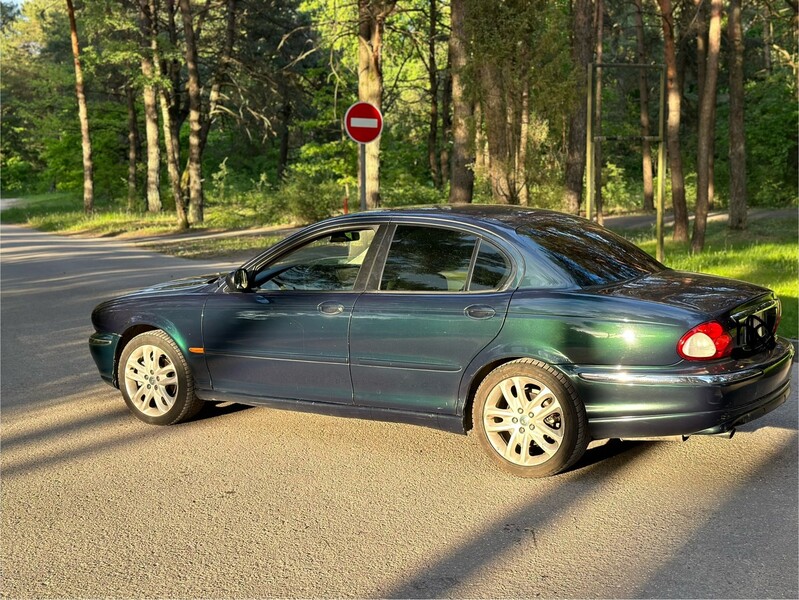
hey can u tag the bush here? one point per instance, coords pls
(405, 190)
(308, 201)
(18, 175)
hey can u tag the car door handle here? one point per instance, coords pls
(479, 311)
(331, 308)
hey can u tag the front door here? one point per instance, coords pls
(288, 337)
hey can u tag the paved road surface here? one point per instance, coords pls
(259, 502)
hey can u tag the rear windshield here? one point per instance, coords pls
(590, 254)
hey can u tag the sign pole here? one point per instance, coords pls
(362, 148)
(363, 122)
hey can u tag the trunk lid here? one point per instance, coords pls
(750, 313)
(706, 294)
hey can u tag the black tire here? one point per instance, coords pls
(537, 431)
(155, 380)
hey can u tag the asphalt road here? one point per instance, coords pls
(265, 503)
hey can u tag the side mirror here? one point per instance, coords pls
(238, 280)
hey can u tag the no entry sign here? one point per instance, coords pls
(363, 122)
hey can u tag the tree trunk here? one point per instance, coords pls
(462, 177)
(501, 163)
(372, 16)
(173, 71)
(172, 145)
(582, 47)
(701, 26)
(432, 72)
(147, 23)
(195, 152)
(171, 134)
(737, 137)
(446, 123)
(600, 34)
(480, 168)
(643, 87)
(706, 127)
(521, 157)
(133, 147)
(673, 124)
(285, 130)
(83, 115)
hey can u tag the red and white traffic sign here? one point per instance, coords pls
(363, 122)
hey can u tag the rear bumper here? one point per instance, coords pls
(103, 348)
(683, 400)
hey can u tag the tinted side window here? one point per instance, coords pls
(491, 269)
(428, 259)
(590, 254)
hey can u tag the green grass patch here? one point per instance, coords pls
(63, 213)
(766, 254)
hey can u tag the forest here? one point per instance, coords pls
(229, 112)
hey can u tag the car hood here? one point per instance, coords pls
(184, 285)
(704, 293)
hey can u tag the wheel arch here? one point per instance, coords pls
(127, 335)
(467, 398)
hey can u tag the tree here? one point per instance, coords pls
(599, 24)
(149, 36)
(83, 115)
(133, 146)
(673, 124)
(707, 127)
(170, 117)
(737, 137)
(194, 169)
(643, 94)
(461, 175)
(372, 15)
(582, 43)
(432, 72)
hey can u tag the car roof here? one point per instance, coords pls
(503, 216)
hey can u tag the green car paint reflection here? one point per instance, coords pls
(539, 330)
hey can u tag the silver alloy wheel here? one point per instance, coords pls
(151, 380)
(524, 421)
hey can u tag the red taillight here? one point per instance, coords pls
(707, 341)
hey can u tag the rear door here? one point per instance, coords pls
(440, 298)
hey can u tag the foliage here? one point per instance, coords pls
(276, 148)
(310, 201)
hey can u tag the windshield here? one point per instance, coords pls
(590, 254)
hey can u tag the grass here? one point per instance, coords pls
(63, 213)
(765, 254)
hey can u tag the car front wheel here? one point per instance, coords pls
(529, 419)
(155, 380)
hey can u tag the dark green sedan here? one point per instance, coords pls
(537, 330)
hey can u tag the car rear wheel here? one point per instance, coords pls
(529, 419)
(155, 380)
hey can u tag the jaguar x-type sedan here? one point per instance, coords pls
(538, 330)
